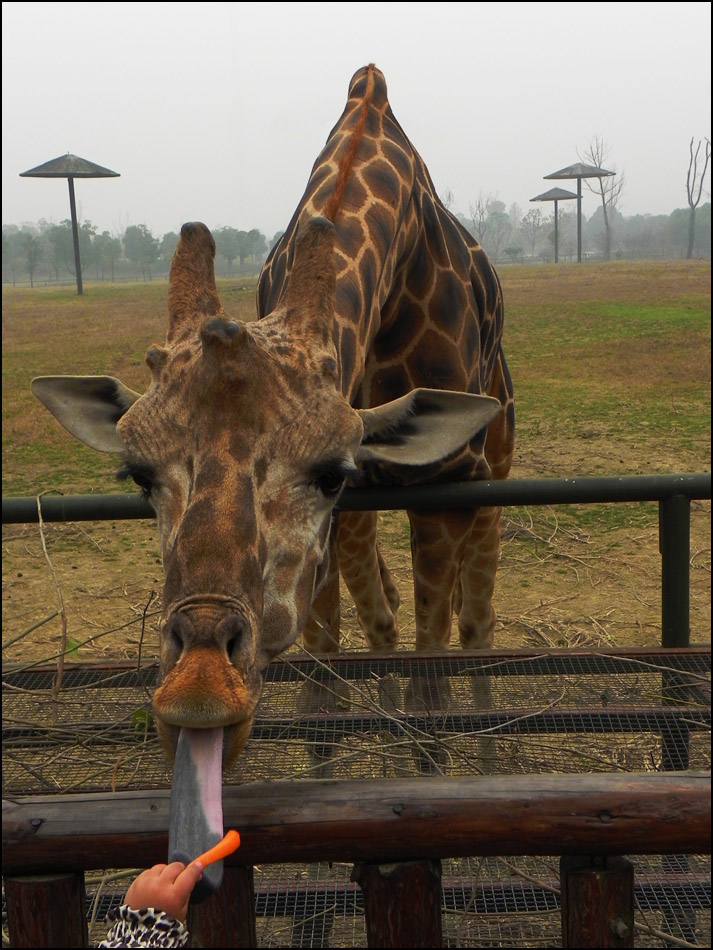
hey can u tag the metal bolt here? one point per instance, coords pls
(619, 927)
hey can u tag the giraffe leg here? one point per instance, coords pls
(476, 616)
(438, 539)
(374, 592)
(321, 636)
(437, 542)
(368, 579)
(377, 600)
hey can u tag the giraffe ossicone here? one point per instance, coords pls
(376, 357)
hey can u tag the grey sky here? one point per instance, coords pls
(216, 111)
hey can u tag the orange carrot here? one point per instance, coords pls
(225, 846)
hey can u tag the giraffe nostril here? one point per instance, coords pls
(179, 631)
(232, 632)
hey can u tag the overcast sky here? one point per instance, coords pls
(216, 111)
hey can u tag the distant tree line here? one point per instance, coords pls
(607, 233)
(44, 253)
(511, 235)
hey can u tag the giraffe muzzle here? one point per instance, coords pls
(209, 677)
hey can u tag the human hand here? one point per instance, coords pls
(165, 887)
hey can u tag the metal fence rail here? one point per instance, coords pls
(522, 491)
(673, 493)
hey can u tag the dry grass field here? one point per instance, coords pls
(611, 367)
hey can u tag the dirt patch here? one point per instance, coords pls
(581, 576)
(559, 584)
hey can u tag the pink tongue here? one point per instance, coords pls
(196, 812)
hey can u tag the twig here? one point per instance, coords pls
(417, 736)
(84, 643)
(471, 902)
(659, 667)
(668, 938)
(31, 629)
(152, 596)
(57, 680)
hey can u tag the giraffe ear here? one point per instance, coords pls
(311, 286)
(425, 426)
(87, 406)
(192, 293)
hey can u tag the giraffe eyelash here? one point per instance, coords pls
(142, 475)
(331, 477)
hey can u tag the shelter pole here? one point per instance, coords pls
(579, 220)
(75, 235)
(556, 234)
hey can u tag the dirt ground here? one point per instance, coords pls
(584, 577)
(558, 584)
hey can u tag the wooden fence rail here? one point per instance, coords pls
(394, 831)
(376, 820)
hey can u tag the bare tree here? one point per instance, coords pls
(499, 229)
(32, 246)
(515, 216)
(608, 188)
(480, 214)
(489, 218)
(531, 226)
(694, 189)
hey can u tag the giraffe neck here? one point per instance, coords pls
(362, 181)
(346, 162)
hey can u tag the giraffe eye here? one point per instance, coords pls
(332, 475)
(330, 482)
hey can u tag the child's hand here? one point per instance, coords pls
(165, 887)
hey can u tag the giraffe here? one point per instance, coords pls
(418, 304)
(377, 357)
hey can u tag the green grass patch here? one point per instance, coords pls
(610, 363)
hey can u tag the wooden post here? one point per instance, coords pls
(226, 918)
(597, 901)
(402, 903)
(46, 911)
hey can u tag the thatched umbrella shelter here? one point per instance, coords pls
(579, 171)
(555, 194)
(71, 167)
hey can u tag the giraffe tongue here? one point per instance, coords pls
(196, 810)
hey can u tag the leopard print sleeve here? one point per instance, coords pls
(144, 928)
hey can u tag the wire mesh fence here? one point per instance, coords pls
(379, 717)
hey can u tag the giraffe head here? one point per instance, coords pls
(243, 442)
